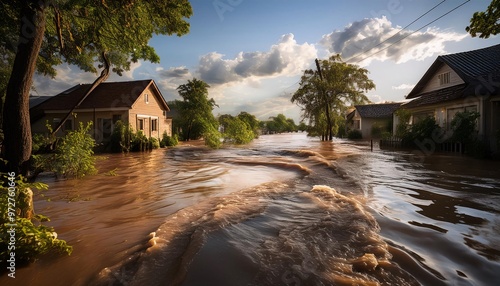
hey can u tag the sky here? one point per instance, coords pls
(253, 52)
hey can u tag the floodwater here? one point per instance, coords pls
(283, 210)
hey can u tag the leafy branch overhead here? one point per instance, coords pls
(486, 23)
(82, 29)
(41, 34)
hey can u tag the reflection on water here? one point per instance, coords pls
(257, 215)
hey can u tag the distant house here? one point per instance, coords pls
(138, 103)
(466, 81)
(370, 119)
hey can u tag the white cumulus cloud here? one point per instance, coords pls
(378, 39)
(286, 58)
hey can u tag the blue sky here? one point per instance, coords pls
(253, 52)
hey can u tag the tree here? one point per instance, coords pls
(279, 124)
(324, 99)
(43, 34)
(236, 130)
(252, 122)
(195, 112)
(485, 23)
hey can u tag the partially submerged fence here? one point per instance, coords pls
(397, 143)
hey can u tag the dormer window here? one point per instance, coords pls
(444, 78)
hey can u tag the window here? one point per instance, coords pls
(55, 122)
(146, 98)
(357, 124)
(444, 78)
(140, 123)
(68, 125)
(116, 117)
(154, 125)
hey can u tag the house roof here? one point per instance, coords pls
(105, 95)
(440, 95)
(377, 110)
(473, 67)
(36, 100)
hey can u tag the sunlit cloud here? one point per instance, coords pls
(403, 86)
(285, 58)
(372, 39)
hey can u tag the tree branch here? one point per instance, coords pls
(104, 75)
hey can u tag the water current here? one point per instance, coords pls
(283, 210)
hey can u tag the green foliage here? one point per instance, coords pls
(169, 141)
(377, 130)
(194, 118)
(139, 142)
(404, 122)
(73, 156)
(236, 130)
(485, 23)
(251, 121)
(154, 143)
(424, 129)
(464, 127)
(279, 124)
(343, 85)
(32, 239)
(82, 29)
(212, 136)
(121, 137)
(354, 134)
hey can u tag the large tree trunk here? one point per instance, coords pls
(16, 121)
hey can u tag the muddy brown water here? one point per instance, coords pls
(283, 210)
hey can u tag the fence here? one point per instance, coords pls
(396, 143)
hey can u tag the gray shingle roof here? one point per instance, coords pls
(473, 67)
(377, 110)
(474, 63)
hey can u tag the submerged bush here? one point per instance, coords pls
(423, 129)
(121, 137)
(169, 141)
(354, 134)
(154, 143)
(73, 155)
(32, 238)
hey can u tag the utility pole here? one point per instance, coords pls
(327, 105)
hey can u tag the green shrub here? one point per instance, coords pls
(154, 143)
(139, 142)
(31, 239)
(354, 134)
(169, 141)
(377, 130)
(73, 155)
(121, 137)
(424, 129)
(212, 137)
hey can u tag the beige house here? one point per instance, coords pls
(138, 103)
(467, 81)
(370, 117)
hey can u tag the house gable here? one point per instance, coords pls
(442, 77)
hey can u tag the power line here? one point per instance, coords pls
(400, 30)
(414, 31)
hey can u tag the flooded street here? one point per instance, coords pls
(283, 210)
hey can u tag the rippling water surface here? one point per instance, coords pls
(284, 210)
